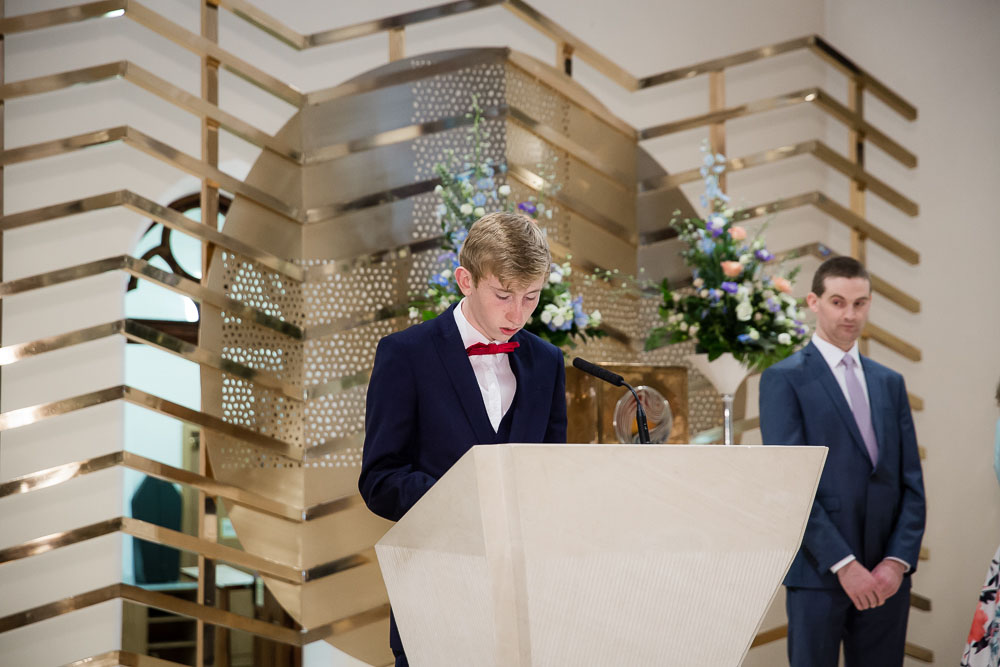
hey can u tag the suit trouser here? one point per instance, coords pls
(819, 619)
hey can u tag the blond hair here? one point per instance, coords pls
(508, 246)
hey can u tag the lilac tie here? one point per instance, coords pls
(859, 406)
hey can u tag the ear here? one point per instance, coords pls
(464, 279)
(813, 302)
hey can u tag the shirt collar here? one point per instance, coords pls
(832, 354)
(470, 334)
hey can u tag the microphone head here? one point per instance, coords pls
(597, 371)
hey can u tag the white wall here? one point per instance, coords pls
(940, 57)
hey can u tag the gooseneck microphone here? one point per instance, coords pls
(617, 381)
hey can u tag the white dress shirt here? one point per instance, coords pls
(833, 356)
(493, 372)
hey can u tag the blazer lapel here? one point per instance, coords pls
(876, 399)
(463, 378)
(524, 401)
(819, 368)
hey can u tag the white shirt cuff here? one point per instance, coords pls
(841, 563)
(900, 560)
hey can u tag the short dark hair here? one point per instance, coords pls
(838, 267)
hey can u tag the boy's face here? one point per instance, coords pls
(496, 311)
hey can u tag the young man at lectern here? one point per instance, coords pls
(470, 376)
(850, 580)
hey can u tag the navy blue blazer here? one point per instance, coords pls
(425, 410)
(872, 513)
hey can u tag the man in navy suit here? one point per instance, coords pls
(470, 376)
(850, 580)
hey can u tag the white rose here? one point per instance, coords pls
(780, 318)
(595, 318)
(754, 334)
(697, 283)
(744, 311)
(446, 273)
(767, 294)
(567, 269)
(465, 209)
(784, 339)
(558, 320)
(745, 259)
(683, 326)
(546, 315)
(703, 294)
(790, 311)
(413, 313)
(742, 292)
(693, 329)
(555, 277)
(438, 189)
(504, 190)
(480, 211)
(801, 315)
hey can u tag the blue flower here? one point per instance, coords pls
(479, 199)
(773, 305)
(715, 224)
(730, 287)
(706, 246)
(459, 236)
(439, 279)
(763, 255)
(744, 338)
(485, 184)
(823, 250)
(488, 170)
(527, 207)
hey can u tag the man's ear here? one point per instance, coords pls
(812, 301)
(464, 279)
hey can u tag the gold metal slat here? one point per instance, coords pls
(265, 22)
(833, 56)
(768, 636)
(842, 214)
(33, 414)
(581, 49)
(823, 101)
(719, 64)
(757, 106)
(123, 659)
(921, 602)
(203, 47)
(162, 214)
(920, 653)
(872, 134)
(146, 335)
(892, 342)
(396, 21)
(143, 270)
(161, 88)
(60, 474)
(162, 26)
(815, 148)
(175, 605)
(159, 535)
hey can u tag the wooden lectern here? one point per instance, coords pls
(597, 554)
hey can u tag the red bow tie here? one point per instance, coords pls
(491, 348)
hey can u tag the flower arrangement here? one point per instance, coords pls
(738, 304)
(468, 189)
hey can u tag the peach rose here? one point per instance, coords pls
(737, 233)
(782, 284)
(732, 269)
